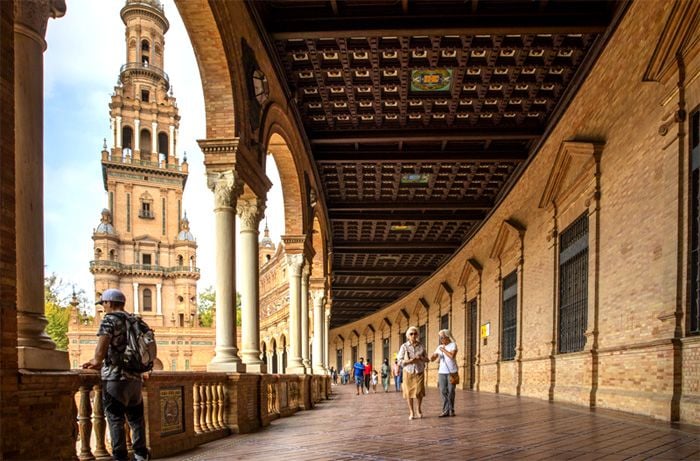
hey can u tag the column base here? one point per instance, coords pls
(258, 367)
(319, 370)
(307, 364)
(226, 367)
(33, 358)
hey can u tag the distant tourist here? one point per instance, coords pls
(368, 374)
(375, 379)
(396, 373)
(446, 352)
(359, 373)
(385, 375)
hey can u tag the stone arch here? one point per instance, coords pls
(318, 242)
(294, 215)
(213, 66)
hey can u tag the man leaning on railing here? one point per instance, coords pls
(121, 390)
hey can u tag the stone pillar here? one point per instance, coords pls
(280, 361)
(136, 297)
(227, 187)
(318, 297)
(327, 324)
(295, 262)
(137, 136)
(250, 212)
(171, 142)
(154, 140)
(118, 133)
(304, 318)
(159, 299)
(36, 350)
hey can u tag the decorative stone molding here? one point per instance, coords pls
(295, 262)
(35, 14)
(510, 230)
(443, 289)
(575, 163)
(318, 296)
(227, 187)
(472, 266)
(250, 212)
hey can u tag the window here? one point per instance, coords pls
(128, 212)
(509, 327)
(573, 285)
(695, 223)
(146, 259)
(127, 137)
(181, 320)
(180, 260)
(370, 353)
(385, 349)
(147, 299)
(163, 145)
(187, 364)
(145, 96)
(146, 210)
(173, 365)
(474, 334)
(445, 322)
(354, 354)
(162, 207)
(423, 332)
(145, 145)
(338, 359)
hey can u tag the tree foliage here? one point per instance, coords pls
(207, 307)
(57, 309)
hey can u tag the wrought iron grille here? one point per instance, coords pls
(573, 286)
(474, 329)
(509, 329)
(370, 353)
(695, 225)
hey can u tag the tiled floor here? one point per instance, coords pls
(487, 426)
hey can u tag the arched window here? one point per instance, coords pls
(191, 262)
(180, 260)
(112, 255)
(98, 254)
(145, 52)
(163, 144)
(147, 300)
(127, 137)
(145, 144)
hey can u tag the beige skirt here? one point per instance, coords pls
(413, 385)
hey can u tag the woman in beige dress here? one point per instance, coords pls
(413, 357)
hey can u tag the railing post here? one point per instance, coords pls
(99, 425)
(222, 401)
(197, 409)
(203, 407)
(84, 424)
(210, 425)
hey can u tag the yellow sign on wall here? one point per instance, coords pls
(485, 330)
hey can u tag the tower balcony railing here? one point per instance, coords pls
(108, 264)
(154, 3)
(126, 158)
(143, 68)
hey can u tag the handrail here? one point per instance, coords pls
(139, 66)
(141, 267)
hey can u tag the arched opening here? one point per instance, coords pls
(162, 147)
(273, 358)
(263, 353)
(98, 254)
(289, 183)
(145, 144)
(147, 300)
(283, 341)
(192, 262)
(180, 261)
(145, 52)
(112, 255)
(127, 140)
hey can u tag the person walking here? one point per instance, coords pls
(359, 372)
(375, 380)
(446, 352)
(368, 375)
(385, 375)
(412, 357)
(396, 373)
(121, 390)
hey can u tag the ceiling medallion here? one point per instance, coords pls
(431, 80)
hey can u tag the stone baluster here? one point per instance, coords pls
(214, 406)
(99, 424)
(84, 424)
(203, 407)
(222, 401)
(197, 408)
(210, 425)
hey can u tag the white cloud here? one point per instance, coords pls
(85, 52)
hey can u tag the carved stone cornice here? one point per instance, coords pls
(34, 14)
(318, 296)
(250, 212)
(227, 187)
(295, 262)
(219, 153)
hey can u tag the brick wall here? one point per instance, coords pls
(8, 292)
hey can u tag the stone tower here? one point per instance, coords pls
(143, 245)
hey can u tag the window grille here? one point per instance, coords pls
(509, 329)
(695, 224)
(354, 354)
(573, 285)
(385, 349)
(370, 353)
(147, 300)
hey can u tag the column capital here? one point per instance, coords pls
(318, 295)
(295, 263)
(251, 211)
(34, 15)
(227, 187)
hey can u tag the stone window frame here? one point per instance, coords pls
(471, 280)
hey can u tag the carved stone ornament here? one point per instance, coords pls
(295, 263)
(227, 187)
(318, 296)
(250, 212)
(35, 14)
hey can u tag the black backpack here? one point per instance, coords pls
(141, 348)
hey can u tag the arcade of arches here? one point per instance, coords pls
(526, 176)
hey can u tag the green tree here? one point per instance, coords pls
(57, 309)
(207, 306)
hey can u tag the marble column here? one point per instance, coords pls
(304, 318)
(318, 297)
(136, 297)
(137, 137)
(154, 141)
(295, 263)
(36, 350)
(159, 299)
(118, 132)
(250, 212)
(325, 337)
(227, 187)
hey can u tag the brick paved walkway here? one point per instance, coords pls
(487, 426)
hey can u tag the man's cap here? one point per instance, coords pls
(113, 295)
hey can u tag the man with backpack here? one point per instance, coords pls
(121, 387)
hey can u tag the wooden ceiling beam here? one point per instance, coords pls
(436, 156)
(392, 246)
(372, 249)
(357, 287)
(355, 299)
(385, 271)
(428, 214)
(484, 205)
(328, 138)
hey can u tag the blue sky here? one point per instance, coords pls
(81, 64)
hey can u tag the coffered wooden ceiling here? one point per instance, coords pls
(421, 114)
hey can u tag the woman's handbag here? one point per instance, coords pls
(454, 378)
